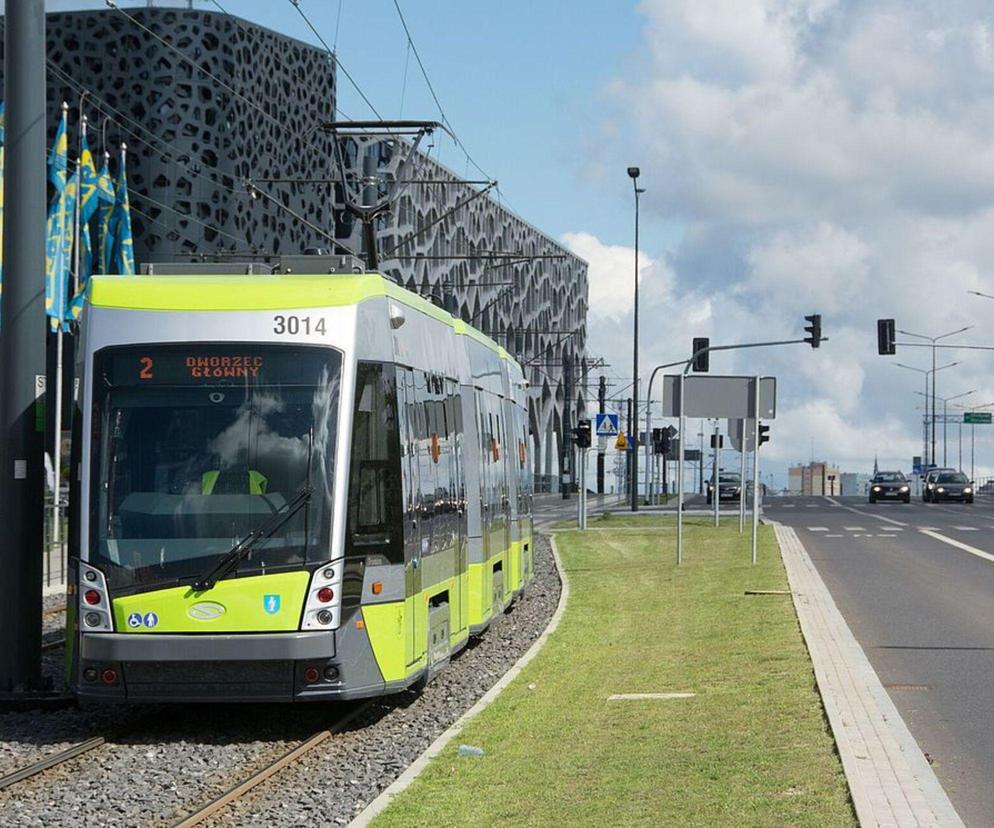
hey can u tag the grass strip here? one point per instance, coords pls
(752, 746)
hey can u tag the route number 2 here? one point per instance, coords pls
(146, 368)
(294, 325)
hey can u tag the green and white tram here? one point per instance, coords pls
(288, 487)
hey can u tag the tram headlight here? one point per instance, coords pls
(325, 617)
(90, 575)
(329, 573)
(93, 619)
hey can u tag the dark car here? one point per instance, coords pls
(952, 486)
(729, 486)
(928, 482)
(890, 485)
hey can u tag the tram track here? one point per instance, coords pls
(284, 760)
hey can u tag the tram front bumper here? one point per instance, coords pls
(272, 667)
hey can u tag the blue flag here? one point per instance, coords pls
(124, 251)
(58, 229)
(105, 217)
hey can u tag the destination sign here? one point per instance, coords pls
(212, 365)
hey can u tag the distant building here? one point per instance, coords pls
(815, 479)
(855, 483)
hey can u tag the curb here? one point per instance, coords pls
(890, 781)
(378, 805)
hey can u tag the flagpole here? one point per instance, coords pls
(57, 448)
(79, 193)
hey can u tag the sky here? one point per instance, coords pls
(798, 156)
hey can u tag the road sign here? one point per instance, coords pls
(917, 467)
(977, 417)
(607, 425)
(621, 443)
(717, 396)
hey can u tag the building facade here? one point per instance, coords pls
(226, 159)
(815, 479)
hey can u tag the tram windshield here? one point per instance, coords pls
(195, 446)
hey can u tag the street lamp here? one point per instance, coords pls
(945, 411)
(633, 174)
(933, 340)
(926, 372)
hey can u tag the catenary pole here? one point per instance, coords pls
(755, 470)
(22, 347)
(742, 475)
(716, 473)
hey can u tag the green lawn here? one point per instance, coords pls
(752, 748)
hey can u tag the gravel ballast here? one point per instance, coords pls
(176, 758)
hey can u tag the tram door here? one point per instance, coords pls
(408, 419)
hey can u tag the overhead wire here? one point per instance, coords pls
(333, 54)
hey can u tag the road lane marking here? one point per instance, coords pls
(887, 536)
(854, 528)
(817, 528)
(864, 514)
(965, 528)
(891, 528)
(833, 536)
(811, 505)
(959, 545)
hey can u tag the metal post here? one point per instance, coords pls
(716, 473)
(601, 400)
(567, 428)
(628, 453)
(742, 477)
(700, 464)
(944, 413)
(961, 445)
(755, 471)
(973, 434)
(648, 443)
(22, 348)
(635, 361)
(934, 380)
(679, 478)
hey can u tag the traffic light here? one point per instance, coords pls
(701, 360)
(719, 439)
(886, 334)
(813, 329)
(581, 434)
(660, 441)
(764, 434)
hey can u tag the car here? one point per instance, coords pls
(890, 485)
(952, 486)
(729, 485)
(928, 482)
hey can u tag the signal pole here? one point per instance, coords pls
(601, 401)
(22, 348)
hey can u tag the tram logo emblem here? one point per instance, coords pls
(206, 611)
(271, 604)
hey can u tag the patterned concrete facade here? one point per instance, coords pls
(207, 101)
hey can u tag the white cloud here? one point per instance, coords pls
(823, 156)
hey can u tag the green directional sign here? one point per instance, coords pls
(977, 417)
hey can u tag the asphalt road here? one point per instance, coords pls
(915, 583)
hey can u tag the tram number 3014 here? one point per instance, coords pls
(294, 325)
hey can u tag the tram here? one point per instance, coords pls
(287, 487)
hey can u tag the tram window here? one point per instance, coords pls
(375, 493)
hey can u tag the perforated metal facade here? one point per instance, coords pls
(194, 142)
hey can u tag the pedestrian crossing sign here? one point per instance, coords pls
(606, 425)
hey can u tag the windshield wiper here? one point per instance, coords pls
(229, 563)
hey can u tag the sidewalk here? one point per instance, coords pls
(891, 782)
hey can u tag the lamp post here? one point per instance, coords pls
(945, 410)
(926, 371)
(633, 174)
(934, 340)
